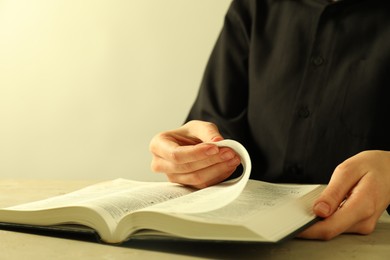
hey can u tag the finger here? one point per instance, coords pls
(328, 228)
(204, 131)
(356, 214)
(180, 146)
(344, 178)
(168, 166)
(364, 227)
(177, 154)
(207, 176)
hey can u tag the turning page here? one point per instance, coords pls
(213, 197)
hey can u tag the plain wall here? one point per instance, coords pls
(84, 85)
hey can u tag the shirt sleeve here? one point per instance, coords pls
(223, 94)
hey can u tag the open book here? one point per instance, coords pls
(119, 210)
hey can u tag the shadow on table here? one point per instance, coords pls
(206, 249)
(346, 245)
(202, 249)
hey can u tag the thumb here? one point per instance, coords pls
(323, 207)
(334, 194)
(328, 202)
(205, 131)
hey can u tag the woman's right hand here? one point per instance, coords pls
(186, 156)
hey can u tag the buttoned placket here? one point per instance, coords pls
(307, 101)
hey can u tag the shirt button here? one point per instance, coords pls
(318, 60)
(304, 112)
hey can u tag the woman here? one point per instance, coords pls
(304, 85)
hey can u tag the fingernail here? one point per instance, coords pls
(322, 209)
(216, 139)
(233, 162)
(227, 155)
(212, 150)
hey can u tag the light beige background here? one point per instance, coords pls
(85, 84)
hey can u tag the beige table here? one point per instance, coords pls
(14, 245)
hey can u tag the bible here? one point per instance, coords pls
(237, 210)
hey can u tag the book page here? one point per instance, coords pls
(216, 196)
(115, 198)
(263, 212)
(120, 204)
(121, 197)
(257, 197)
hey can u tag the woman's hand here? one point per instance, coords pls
(186, 156)
(357, 195)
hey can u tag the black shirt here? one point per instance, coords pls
(303, 84)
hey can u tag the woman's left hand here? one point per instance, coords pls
(355, 198)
